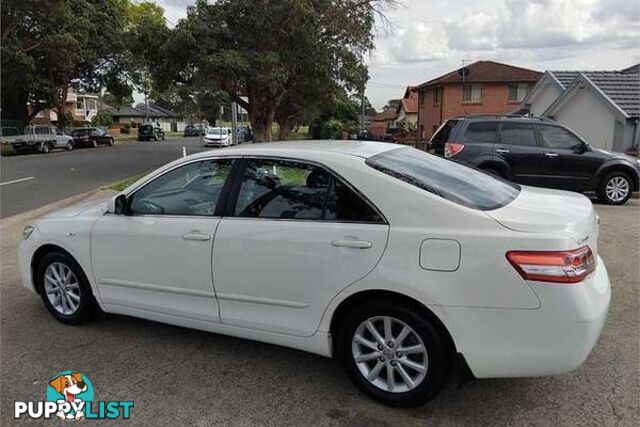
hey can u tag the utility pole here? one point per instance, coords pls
(362, 115)
(234, 122)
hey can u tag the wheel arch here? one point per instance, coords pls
(363, 296)
(607, 168)
(40, 253)
(495, 163)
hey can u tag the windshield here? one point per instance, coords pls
(217, 132)
(445, 178)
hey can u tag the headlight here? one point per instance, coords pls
(26, 232)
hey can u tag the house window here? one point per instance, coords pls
(421, 98)
(437, 96)
(472, 93)
(78, 105)
(517, 91)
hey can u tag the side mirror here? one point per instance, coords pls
(580, 148)
(120, 205)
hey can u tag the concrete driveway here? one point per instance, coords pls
(183, 377)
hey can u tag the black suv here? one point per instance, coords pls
(537, 151)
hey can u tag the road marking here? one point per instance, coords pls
(15, 181)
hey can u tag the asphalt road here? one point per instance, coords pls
(33, 180)
(178, 376)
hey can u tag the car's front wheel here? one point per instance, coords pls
(393, 353)
(615, 188)
(65, 289)
(69, 146)
(94, 143)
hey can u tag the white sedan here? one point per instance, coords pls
(392, 260)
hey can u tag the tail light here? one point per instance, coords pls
(451, 149)
(558, 267)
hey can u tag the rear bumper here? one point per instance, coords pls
(554, 339)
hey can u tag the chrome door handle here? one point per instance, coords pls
(356, 244)
(552, 155)
(502, 150)
(196, 235)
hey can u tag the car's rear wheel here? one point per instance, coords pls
(615, 188)
(69, 146)
(393, 353)
(111, 142)
(94, 143)
(45, 148)
(65, 289)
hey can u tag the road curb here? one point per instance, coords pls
(43, 210)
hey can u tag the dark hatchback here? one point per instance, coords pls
(91, 137)
(539, 152)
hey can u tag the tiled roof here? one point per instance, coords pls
(388, 114)
(487, 72)
(409, 105)
(622, 87)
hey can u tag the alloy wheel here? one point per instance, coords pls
(390, 354)
(617, 189)
(62, 288)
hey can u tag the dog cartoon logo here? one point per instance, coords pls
(71, 390)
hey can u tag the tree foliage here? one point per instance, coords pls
(287, 56)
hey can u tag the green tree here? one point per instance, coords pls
(48, 45)
(276, 52)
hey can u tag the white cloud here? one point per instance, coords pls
(433, 37)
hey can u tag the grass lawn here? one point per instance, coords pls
(119, 186)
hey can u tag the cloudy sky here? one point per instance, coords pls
(431, 37)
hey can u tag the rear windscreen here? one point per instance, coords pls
(445, 178)
(443, 133)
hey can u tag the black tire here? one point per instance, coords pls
(94, 143)
(69, 146)
(87, 307)
(45, 148)
(608, 198)
(439, 354)
(111, 142)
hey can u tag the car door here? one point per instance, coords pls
(572, 164)
(519, 147)
(157, 258)
(296, 235)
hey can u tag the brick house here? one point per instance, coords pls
(382, 123)
(407, 108)
(82, 106)
(486, 87)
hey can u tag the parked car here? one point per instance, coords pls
(540, 152)
(217, 137)
(191, 130)
(91, 137)
(41, 138)
(147, 132)
(323, 246)
(244, 133)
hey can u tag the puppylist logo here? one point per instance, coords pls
(70, 397)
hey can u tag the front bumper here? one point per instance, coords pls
(215, 143)
(553, 339)
(25, 254)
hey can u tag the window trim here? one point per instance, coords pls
(234, 192)
(219, 205)
(540, 137)
(437, 100)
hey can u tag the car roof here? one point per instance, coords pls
(305, 149)
(505, 118)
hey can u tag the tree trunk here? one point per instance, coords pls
(60, 106)
(261, 114)
(285, 126)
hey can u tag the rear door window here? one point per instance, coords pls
(450, 180)
(518, 134)
(482, 132)
(444, 133)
